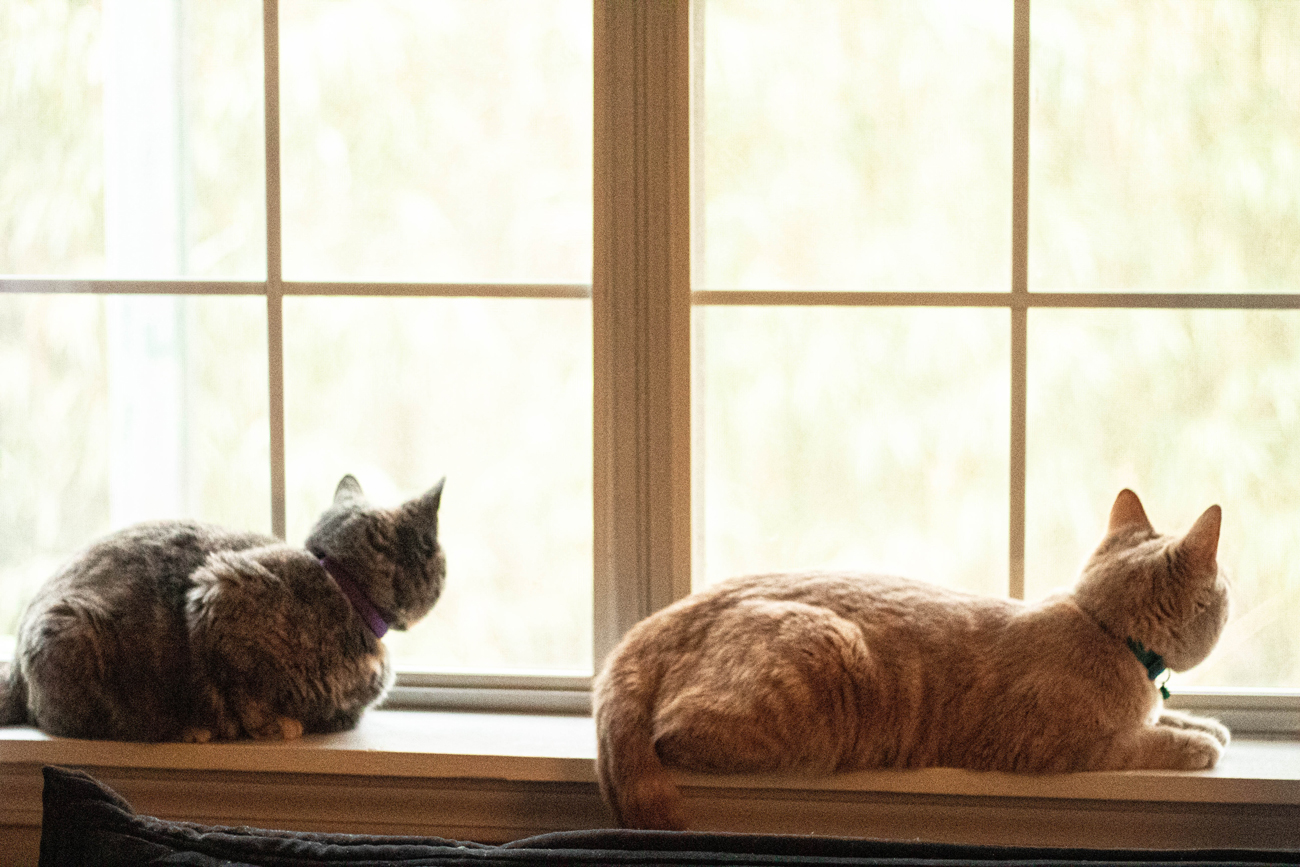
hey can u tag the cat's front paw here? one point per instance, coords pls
(1216, 730)
(290, 729)
(1187, 722)
(1201, 751)
(278, 728)
(196, 735)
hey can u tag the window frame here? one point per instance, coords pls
(1259, 710)
(645, 104)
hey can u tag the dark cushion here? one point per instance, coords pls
(86, 824)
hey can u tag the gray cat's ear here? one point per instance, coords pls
(1127, 513)
(430, 501)
(1201, 544)
(349, 489)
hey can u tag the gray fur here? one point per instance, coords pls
(176, 630)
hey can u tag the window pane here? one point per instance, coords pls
(445, 141)
(1164, 151)
(131, 139)
(496, 396)
(1188, 409)
(863, 438)
(854, 145)
(119, 409)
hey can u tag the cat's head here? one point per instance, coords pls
(1165, 592)
(392, 553)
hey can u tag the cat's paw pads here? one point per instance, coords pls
(196, 735)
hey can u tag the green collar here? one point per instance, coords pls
(1153, 662)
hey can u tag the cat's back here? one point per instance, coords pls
(873, 601)
(131, 583)
(900, 622)
(158, 554)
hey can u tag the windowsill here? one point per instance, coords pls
(387, 743)
(561, 749)
(494, 776)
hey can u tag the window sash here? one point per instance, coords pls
(645, 102)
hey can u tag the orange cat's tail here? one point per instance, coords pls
(633, 780)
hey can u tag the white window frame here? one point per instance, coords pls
(642, 300)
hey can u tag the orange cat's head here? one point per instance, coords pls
(1165, 593)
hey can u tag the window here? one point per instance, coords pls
(908, 284)
(390, 276)
(916, 354)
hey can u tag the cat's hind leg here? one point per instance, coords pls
(84, 680)
(778, 686)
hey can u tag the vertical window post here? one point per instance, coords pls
(641, 312)
(274, 280)
(1019, 295)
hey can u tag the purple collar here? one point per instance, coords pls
(360, 601)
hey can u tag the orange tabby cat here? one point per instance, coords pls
(836, 671)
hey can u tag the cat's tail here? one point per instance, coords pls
(13, 696)
(632, 779)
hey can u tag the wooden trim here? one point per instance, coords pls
(75, 286)
(1019, 434)
(364, 289)
(274, 259)
(641, 312)
(1011, 300)
(320, 289)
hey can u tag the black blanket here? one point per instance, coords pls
(85, 823)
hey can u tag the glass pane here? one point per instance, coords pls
(1188, 409)
(131, 139)
(861, 438)
(437, 140)
(1164, 151)
(496, 396)
(854, 145)
(120, 409)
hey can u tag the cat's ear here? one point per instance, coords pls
(1201, 544)
(349, 489)
(1127, 513)
(430, 500)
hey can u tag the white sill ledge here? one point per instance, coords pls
(494, 777)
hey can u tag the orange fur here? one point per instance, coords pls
(830, 671)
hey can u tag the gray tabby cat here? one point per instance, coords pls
(176, 630)
(839, 671)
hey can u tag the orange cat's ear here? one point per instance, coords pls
(1127, 512)
(1201, 544)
